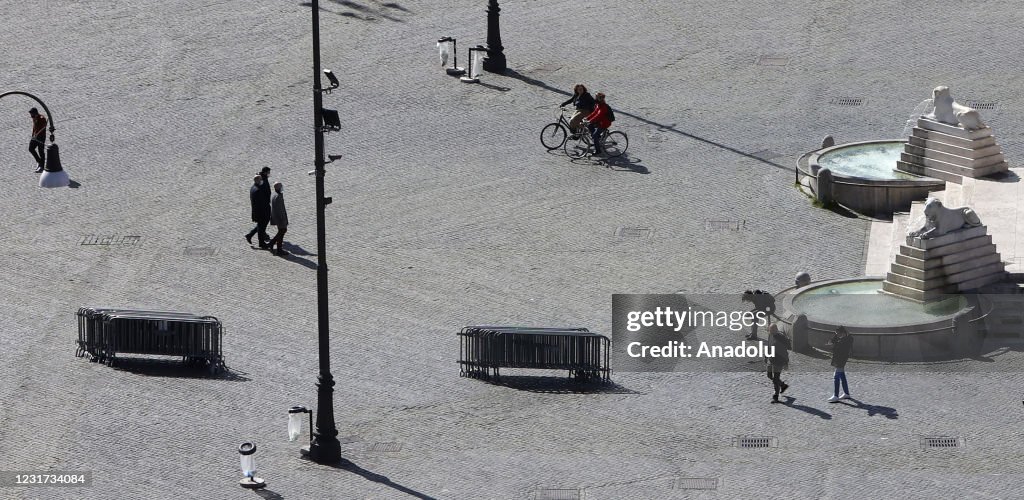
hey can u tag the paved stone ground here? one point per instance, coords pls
(446, 213)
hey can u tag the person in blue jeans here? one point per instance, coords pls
(842, 344)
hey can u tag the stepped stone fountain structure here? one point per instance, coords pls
(950, 253)
(951, 142)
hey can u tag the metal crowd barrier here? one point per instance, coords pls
(484, 350)
(105, 332)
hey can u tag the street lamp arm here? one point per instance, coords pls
(49, 117)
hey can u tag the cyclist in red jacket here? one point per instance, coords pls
(599, 121)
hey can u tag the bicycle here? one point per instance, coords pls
(612, 143)
(553, 135)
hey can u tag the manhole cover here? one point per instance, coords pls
(386, 447)
(725, 225)
(557, 494)
(695, 483)
(200, 251)
(942, 442)
(772, 60)
(634, 232)
(95, 239)
(755, 442)
(847, 101)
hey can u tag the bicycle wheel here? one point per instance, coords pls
(552, 136)
(615, 143)
(578, 147)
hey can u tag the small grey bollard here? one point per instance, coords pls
(823, 193)
(799, 334)
(827, 142)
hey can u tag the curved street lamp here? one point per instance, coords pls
(53, 173)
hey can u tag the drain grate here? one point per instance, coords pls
(942, 442)
(695, 483)
(725, 225)
(200, 251)
(95, 239)
(557, 494)
(386, 447)
(847, 101)
(772, 60)
(634, 232)
(982, 105)
(755, 442)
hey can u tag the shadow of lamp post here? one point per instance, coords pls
(53, 173)
(495, 60)
(324, 446)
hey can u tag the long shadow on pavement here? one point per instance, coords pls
(350, 466)
(806, 409)
(885, 411)
(558, 385)
(175, 369)
(661, 126)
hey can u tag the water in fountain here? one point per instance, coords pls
(876, 161)
(926, 107)
(860, 304)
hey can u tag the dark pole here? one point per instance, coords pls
(49, 117)
(495, 60)
(324, 447)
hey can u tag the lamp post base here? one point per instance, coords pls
(252, 483)
(495, 62)
(316, 454)
(456, 71)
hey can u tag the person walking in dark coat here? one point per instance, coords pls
(259, 198)
(779, 362)
(279, 218)
(842, 345)
(37, 145)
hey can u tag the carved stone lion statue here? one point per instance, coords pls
(940, 220)
(951, 112)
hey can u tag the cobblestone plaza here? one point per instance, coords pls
(448, 212)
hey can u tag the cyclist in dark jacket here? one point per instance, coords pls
(842, 343)
(584, 106)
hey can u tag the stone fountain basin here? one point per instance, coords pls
(865, 178)
(885, 327)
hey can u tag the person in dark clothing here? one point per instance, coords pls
(259, 198)
(842, 345)
(279, 218)
(584, 106)
(599, 121)
(779, 362)
(37, 145)
(764, 303)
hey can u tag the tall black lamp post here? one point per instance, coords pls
(495, 60)
(324, 446)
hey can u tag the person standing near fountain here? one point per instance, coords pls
(842, 343)
(764, 306)
(779, 361)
